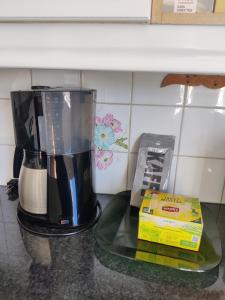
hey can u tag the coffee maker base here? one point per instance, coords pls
(42, 230)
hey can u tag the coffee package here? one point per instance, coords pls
(153, 165)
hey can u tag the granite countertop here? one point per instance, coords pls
(33, 267)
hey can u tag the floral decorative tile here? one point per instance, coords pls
(112, 179)
(111, 133)
(103, 158)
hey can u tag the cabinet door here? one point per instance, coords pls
(75, 10)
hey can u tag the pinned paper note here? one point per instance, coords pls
(185, 6)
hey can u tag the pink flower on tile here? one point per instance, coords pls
(116, 126)
(103, 159)
(98, 120)
(109, 120)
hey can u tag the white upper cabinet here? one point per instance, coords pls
(76, 10)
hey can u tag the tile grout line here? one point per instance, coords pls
(113, 103)
(189, 156)
(204, 107)
(4, 228)
(175, 155)
(222, 192)
(138, 104)
(133, 104)
(8, 145)
(129, 137)
(1, 212)
(202, 157)
(31, 78)
(6, 241)
(160, 105)
(81, 80)
(180, 135)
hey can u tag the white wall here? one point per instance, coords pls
(135, 101)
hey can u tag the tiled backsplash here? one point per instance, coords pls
(129, 104)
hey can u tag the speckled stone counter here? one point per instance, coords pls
(33, 267)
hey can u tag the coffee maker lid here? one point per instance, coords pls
(42, 88)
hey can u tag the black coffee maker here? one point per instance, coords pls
(54, 129)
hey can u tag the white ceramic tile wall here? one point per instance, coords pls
(6, 163)
(155, 119)
(127, 105)
(55, 78)
(201, 177)
(146, 90)
(201, 96)
(112, 87)
(11, 80)
(203, 132)
(6, 123)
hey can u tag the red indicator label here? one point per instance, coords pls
(170, 208)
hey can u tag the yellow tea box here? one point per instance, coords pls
(169, 219)
(166, 261)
